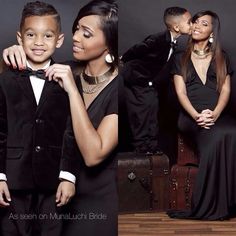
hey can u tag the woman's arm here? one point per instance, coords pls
(180, 88)
(95, 145)
(223, 98)
(15, 56)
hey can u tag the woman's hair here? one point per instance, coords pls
(108, 12)
(215, 48)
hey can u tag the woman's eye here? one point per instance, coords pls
(87, 34)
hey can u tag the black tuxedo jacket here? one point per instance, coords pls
(30, 135)
(155, 47)
(147, 61)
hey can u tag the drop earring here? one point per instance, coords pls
(211, 40)
(109, 58)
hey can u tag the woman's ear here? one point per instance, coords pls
(60, 40)
(19, 38)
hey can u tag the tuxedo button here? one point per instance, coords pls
(37, 148)
(39, 121)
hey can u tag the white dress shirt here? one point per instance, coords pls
(37, 86)
(171, 49)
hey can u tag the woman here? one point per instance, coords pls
(202, 82)
(92, 136)
(94, 121)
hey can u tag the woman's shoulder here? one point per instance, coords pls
(178, 55)
(111, 90)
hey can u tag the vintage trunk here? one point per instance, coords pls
(186, 152)
(182, 180)
(143, 182)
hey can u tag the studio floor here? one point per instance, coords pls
(158, 224)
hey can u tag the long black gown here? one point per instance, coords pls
(94, 208)
(214, 194)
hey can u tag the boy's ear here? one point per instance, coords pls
(60, 40)
(176, 28)
(19, 38)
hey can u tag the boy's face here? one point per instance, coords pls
(185, 23)
(39, 37)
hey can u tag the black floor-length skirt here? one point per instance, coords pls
(214, 194)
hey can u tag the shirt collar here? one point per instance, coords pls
(172, 38)
(43, 68)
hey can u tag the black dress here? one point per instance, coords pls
(94, 208)
(214, 194)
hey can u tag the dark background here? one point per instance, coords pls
(140, 18)
(10, 14)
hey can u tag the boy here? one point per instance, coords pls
(33, 115)
(142, 63)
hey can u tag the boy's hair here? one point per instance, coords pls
(172, 12)
(38, 8)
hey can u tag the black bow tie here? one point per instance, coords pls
(38, 73)
(173, 45)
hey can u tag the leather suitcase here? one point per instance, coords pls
(143, 182)
(182, 180)
(186, 153)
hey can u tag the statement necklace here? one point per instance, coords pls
(92, 84)
(202, 53)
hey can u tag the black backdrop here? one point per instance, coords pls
(10, 13)
(139, 18)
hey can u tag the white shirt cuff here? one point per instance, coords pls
(67, 176)
(3, 177)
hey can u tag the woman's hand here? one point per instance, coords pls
(15, 56)
(63, 75)
(206, 119)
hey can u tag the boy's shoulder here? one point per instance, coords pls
(163, 35)
(8, 73)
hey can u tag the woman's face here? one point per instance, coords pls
(88, 40)
(202, 28)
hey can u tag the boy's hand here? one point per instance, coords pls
(15, 56)
(5, 197)
(65, 191)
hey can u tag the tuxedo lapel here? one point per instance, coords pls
(47, 90)
(26, 87)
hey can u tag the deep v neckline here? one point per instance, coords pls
(100, 93)
(198, 74)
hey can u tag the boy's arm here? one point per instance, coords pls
(140, 50)
(68, 167)
(5, 197)
(3, 132)
(69, 160)
(65, 175)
